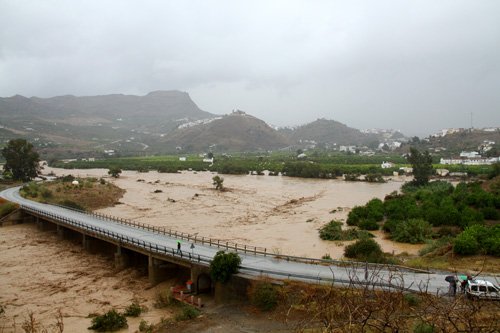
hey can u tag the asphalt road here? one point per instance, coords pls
(256, 265)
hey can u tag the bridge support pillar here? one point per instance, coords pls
(86, 240)
(202, 282)
(60, 231)
(157, 270)
(121, 259)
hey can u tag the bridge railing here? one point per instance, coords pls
(122, 239)
(205, 260)
(256, 250)
(247, 249)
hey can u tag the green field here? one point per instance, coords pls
(315, 165)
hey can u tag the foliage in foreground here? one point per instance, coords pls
(370, 309)
(110, 321)
(224, 265)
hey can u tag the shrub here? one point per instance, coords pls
(368, 224)
(412, 231)
(390, 225)
(264, 295)
(114, 172)
(365, 249)
(356, 214)
(218, 182)
(110, 321)
(466, 244)
(187, 312)
(224, 265)
(46, 193)
(133, 310)
(374, 178)
(375, 209)
(145, 327)
(490, 213)
(478, 238)
(333, 231)
(68, 178)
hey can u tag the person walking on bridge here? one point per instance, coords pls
(179, 248)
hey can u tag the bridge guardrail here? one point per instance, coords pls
(247, 249)
(154, 248)
(169, 251)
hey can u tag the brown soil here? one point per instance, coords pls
(89, 193)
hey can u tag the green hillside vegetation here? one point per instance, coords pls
(317, 164)
(468, 213)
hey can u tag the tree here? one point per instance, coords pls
(115, 172)
(224, 265)
(217, 182)
(422, 166)
(21, 160)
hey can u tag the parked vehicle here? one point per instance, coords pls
(482, 289)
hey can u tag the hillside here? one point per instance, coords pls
(96, 123)
(329, 132)
(237, 131)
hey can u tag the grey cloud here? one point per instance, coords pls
(416, 66)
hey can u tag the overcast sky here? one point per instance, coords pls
(417, 66)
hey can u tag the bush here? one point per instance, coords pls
(356, 214)
(478, 238)
(264, 295)
(114, 172)
(187, 312)
(368, 224)
(133, 310)
(68, 178)
(365, 249)
(412, 231)
(224, 265)
(333, 231)
(490, 213)
(466, 244)
(145, 327)
(46, 193)
(110, 321)
(390, 225)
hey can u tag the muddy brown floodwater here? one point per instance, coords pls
(40, 274)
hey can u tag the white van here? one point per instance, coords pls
(482, 289)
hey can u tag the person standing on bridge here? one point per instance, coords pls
(179, 248)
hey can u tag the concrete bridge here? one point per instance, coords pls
(155, 249)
